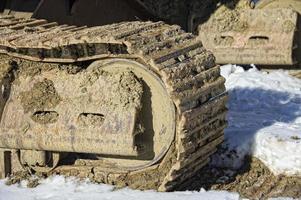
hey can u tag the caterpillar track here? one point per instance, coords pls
(175, 102)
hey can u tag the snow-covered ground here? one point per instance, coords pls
(59, 188)
(264, 121)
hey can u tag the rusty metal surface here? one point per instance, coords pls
(266, 37)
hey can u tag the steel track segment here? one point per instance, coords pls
(187, 70)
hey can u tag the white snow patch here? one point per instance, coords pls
(264, 119)
(60, 188)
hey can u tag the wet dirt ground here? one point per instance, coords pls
(253, 181)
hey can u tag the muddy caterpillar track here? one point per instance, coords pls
(34, 49)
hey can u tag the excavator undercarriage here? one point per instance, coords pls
(262, 32)
(137, 104)
(94, 89)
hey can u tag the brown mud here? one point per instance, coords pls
(253, 181)
(127, 88)
(5, 67)
(138, 180)
(32, 182)
(45, 117)
(227, 16)
(42, 96)
(29, 69)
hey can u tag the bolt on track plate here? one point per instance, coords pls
(253, 36)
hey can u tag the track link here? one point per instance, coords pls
(188, 71)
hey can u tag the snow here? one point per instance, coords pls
(60, 188)
(264, 119)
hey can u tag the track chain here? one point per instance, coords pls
(188, 71)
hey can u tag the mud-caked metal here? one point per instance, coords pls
(88, 112)
(138, 104)
(265, 37)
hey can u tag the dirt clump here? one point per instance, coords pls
(5, 67)
(125, 88)
(295, 138)
(29, 68)
(257, 181)
(225, 19)
(253, 180)
(129, 89)
(43, 95)
(288, 26)
(88, 119)
(18, 177)
(45, 117)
